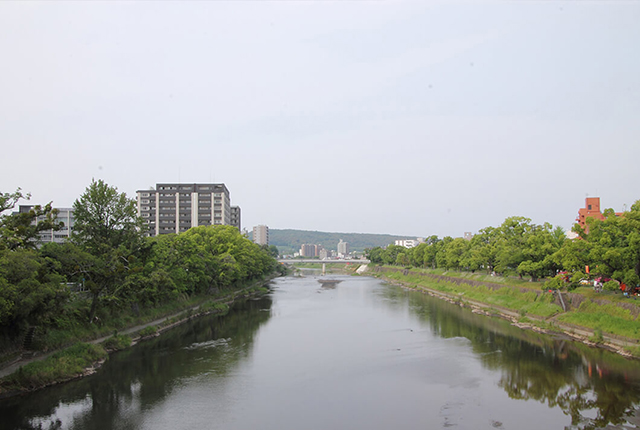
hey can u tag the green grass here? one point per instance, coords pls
(509, 298)
(214, 307)
(602, 318)
(148, 331)
(608, 318)
(117, 342)
(62, 365)
(482, 276)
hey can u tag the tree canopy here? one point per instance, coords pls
(609, 247)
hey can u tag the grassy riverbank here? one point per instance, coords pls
(71, 331)
(73, 362)
(506, 297)
(607, 319)
(82, 358)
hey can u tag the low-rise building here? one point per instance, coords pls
(65, 215)
(407, 243)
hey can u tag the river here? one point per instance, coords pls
(359, 354)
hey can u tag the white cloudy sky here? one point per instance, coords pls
(402, 117)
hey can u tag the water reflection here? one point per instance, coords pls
(594, 387)
(343, 349)
(142, 377)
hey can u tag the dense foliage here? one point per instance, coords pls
(608, 248)
(108, 267)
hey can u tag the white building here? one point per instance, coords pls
(343, 249)
(65, 215)
(407, 243)
(261, 235)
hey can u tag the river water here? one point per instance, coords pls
(356, 355)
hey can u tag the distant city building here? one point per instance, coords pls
(175, 208)
(261, 235)
(236, 217)
(591, 209)
(325, 254)
(343, 249)
(310, 250)
(468, 235)
(407, 243)
(65, 215)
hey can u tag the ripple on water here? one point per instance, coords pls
(209, 344)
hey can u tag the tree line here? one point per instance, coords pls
(108, 266)
(608, 248)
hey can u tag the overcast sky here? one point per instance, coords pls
(400, 117)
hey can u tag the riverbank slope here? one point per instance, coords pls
(12, 377)
(611, 324)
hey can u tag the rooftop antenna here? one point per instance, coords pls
(178, 174)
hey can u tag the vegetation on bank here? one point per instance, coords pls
(109, 276)
(61, 366)
(607, 249)
(514, 299)
(117, 342)
(610, 314)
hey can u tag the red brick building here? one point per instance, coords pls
(591, 209)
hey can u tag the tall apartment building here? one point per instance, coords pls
(343, 249)
(310, 250)
(65, 215)
(175, 208)
(236, 217)
(261, 235)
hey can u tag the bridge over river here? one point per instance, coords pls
(310, 260)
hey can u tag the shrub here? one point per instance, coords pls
(65, 364)
(148, 331)
(611, 286)
(554, 283)
(117, 342)
(597, 336)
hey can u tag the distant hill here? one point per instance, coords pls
(289, 241)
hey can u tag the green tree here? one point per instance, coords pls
(9, 200)
(29, 292)
(512, 235)
(107, 226)
(390, 255)
(22, 229)
(453, 253)
(374, 255)
(106, 219)
(542, 242)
